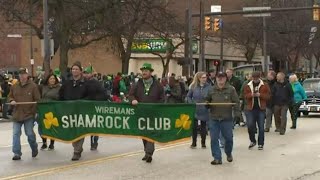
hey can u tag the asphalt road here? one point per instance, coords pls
(295, 156)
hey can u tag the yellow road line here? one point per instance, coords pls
(84, 163)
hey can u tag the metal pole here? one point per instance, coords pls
(221, 49)
(187, 40)
(190, 38)
(265, 57)
(31, 43)
(202, 46)
(46, 38)
(256, 11)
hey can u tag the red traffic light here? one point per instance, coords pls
(216, 62)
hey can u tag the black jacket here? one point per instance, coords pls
(95, 90)
(282, 94)
(73, 90)
(5, 88)
(236, 83)
(271, 85)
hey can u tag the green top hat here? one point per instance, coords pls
(88, 69)
(146, 66)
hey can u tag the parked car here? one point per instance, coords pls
(312, 104)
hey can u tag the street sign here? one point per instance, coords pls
(216, 8)
(256, 9)
(32, 61)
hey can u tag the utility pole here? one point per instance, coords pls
(221, 49)
(265, 57)
(202, 45)
(190, 38)
(31, 43)
(47, 53)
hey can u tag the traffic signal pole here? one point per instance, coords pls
(221, 67)
(256, 11)
(238, 12)
(202, 45)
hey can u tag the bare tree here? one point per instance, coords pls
(245, 35)
(138, 16)
(74, 23)
(168, 27)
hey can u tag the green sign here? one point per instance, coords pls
(70, 121)
(149, 45)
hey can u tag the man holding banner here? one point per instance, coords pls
(95, 92)
(24, 114)
(75, 89)
(221, 116)
(147, 90)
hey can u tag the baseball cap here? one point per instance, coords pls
(23, 70)
(221, 74)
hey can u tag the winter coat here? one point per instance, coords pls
(156, 94)
(24, 93)
(236, 83)
(282, 94)
(174, 95)
(227, 94)
(264, 91)
(95, 90)
(50, 93)
(298, 92)
(73, 90)
(271, 84)
(198, 95)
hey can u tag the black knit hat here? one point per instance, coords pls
(77, 63)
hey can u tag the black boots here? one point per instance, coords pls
(45, 146)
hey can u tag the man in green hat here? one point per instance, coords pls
(147, 90)
(95, 92)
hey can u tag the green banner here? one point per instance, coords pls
(70, 121)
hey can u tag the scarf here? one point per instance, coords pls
(147, 85)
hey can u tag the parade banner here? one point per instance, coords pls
(69, 121)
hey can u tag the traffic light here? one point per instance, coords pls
(207, 23)
(316, 13)
(216, 62)
(217, 24)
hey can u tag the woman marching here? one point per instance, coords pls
(198, 91)
(50, 92)
(299, 96)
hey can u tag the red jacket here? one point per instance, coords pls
(264, 91)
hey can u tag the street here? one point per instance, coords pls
(295, 156)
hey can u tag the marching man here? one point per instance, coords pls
(147, 90)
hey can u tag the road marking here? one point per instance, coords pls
(85, 163)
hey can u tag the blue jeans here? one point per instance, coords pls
(28, 129)
(256, 117)
(225, 127)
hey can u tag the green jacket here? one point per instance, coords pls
(123, 87)
(236, 83)
(227, 94)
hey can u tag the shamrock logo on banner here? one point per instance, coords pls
(50, 120)
(183, 122)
